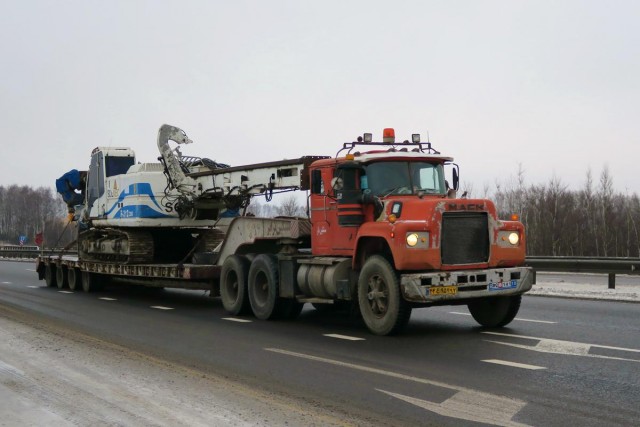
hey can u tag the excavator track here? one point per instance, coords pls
(126, 246)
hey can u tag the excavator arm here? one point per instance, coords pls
(176, 176)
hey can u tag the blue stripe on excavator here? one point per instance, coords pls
(139, 211)
(141, 189)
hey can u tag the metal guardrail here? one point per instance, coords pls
(610, 266)
(13, 253)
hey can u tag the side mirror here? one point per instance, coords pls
(456, 178)
(316, 181)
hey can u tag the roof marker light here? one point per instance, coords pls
(368, 137)
(389, 136)
(415, 138)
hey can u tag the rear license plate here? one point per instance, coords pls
(443, 290)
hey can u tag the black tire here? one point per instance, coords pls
(61, 277)
(91, 282)
(263, 286)
(495, 312)
(50, 275)
(233, 285)
(75, 278)
(383, 309)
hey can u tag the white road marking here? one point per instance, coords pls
(6, 283)
(466, 404)
(108, 299)
(29, 269)
(32, 286)
(65, 292)
(546, 345)
(344, 337)
(517, 318)
(160, 307)
(235, 319)
(513, 364)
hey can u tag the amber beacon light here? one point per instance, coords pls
(388, 136)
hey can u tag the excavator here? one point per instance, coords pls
(167, 211)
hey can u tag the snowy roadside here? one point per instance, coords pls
(51, 376)
(586, 286)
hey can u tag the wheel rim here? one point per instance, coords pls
(378, 295)
(231, 286)
(261, 289)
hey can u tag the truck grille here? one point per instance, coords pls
(464, 238)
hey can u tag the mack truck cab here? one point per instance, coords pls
(408, 237)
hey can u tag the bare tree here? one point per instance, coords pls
(291, 207)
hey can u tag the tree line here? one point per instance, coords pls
(27, 211)
(593, 221)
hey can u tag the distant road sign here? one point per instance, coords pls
(23, 240)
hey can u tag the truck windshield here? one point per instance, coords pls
(386, 178)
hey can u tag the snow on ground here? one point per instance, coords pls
(51, 376)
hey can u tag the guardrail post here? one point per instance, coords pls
(612, 280)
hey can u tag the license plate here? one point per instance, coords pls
(443, 290)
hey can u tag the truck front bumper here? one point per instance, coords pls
(467, 284)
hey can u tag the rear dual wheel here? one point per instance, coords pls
(233, 285)
(263, 283)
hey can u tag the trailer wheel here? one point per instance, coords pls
(50, 275)
(91, 282)
(383, 309)
(75, 278)
(61, 277)
(495, 312)
(263, 287)
(233, 285)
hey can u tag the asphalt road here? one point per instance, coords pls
(561, 362)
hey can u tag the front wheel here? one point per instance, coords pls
(383, 309)
(495, 312)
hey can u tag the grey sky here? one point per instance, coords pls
(552, 85)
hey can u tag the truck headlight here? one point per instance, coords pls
(412, 239)
(514, 238)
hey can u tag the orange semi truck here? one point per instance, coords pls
(386, 233)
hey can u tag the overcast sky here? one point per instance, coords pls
(551, 85)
